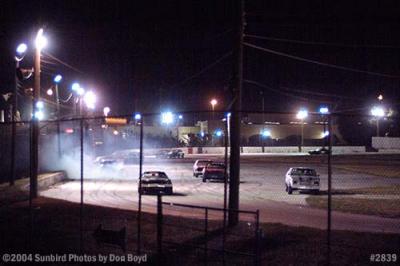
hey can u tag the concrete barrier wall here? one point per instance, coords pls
(347, 149)
(49, 179)
(267, 149)
(386, 143)
(252, 149)
(286, 149)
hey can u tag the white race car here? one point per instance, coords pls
(302, 179)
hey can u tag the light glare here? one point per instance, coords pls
(39, 105)
(40, 41)
(21, 49)
(378, 111)
(106, 110)
(80, 91)
(57, 78)
(266, 133)
(302, 114)
(75, 86)
(324, 134)
(89, 99)
(167, 118)
(39, 115)
(324, 110)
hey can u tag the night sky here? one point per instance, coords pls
(140, 55)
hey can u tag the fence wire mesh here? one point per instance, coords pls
(100, 165)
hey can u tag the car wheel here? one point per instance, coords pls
(290, 190)
(315, 192)
(168, 191)
(204, 180)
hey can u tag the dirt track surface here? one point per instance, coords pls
(261, 187)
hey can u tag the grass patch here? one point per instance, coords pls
(375, 170)
(56, 230)
(11, 194)
(389, 208)
(385, 190)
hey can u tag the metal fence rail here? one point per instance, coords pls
(204, 245)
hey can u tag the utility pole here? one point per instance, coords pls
(234, 165)
(35, 120)
(58, 121)
(14, 125)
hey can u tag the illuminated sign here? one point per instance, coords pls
(69, 130)
(116, 121)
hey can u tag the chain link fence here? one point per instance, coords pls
(346, 169)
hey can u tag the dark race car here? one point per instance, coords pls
(318, 151)
(155, 182)
(174, 154)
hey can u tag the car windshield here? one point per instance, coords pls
(215, 165)
(155, 174)
(303, 171)
(203, 163)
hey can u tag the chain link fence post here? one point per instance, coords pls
(159, 227)
(81, 190)
(257, 239)
(139, 214)
(206, 236)
(329, 189)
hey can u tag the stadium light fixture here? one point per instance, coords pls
(167, 118)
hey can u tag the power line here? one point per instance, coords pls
(47, 62)
(375, 46)
(202, 70)
(281, 92)
(319, 93)
(63, 63)
(298, 58)
(49, 102)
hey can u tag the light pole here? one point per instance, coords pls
(40, 43)
(79, 91)
(264, 134)
(378, 112)
(301, 115)
(90, 99)
(324, 111)
(106, 111)
(167, 118)
(213, 103)
(57, 79)
(21, 50)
